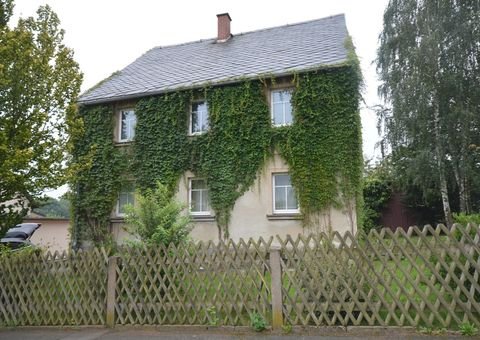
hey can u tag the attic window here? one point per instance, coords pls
(281, 107)
(198, 117)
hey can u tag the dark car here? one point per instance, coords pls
(19, 236)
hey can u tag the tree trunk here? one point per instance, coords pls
(441, 165)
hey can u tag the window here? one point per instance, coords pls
(128, 121)
(199, 198)
(199, 117)
(126, 196)
(281, 107)
(284, 196)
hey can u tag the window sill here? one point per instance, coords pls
(126, 143)
(281, 217)
(117, 218)
(202, 218)
(196, 134)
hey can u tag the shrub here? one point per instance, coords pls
(468, 329)
(157, 217)
(257, 322)
(465, 219)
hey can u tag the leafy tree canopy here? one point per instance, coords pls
(39, 84)
(429, 65)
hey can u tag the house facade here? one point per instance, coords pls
(257, 133)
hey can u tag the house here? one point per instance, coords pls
(257, 133)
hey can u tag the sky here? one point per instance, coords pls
(107, 35)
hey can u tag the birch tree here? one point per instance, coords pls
(428, 62)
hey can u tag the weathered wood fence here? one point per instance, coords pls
(424, 277)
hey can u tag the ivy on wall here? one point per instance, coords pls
(234, 149)
(322, 147)
(99, 168)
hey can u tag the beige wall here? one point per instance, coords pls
(253, 216)
(53, 234)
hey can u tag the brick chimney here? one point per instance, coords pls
(223, 27)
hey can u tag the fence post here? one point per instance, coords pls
(276, 272)
(111, 283)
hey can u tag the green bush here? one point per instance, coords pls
(465, 219)
(157, 217)
(468, 329)
(257, 322)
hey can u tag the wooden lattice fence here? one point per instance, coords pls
(198, 284)
(53, 289)
(427, 277)
(424, 277)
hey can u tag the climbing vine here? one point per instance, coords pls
(232, 152)
(98, 168)
(322, 147)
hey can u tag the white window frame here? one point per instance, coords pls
(120, 121)
(190, 200)
(282, 211)
(190, 120)
(117, 207)
(288, 89)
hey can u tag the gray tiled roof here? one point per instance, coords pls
(274, 51)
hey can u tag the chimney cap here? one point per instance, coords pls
(223, 14)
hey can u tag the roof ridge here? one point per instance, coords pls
(248, 32)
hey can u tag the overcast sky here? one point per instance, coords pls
(107, 35)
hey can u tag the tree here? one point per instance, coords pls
(428, 62)
(157, 218)
(39, 84)
(55, 208)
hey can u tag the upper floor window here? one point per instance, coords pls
(284, 196)
(128, 121)
(199, 198)
(199, 117)
(125, 197)
(281, 107)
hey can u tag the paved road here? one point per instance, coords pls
(178, 333)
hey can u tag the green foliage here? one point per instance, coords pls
(161, 142)
(322, 147)
(56, 208)
(99, 168)
(257, 321)
(468, 329)
(22, 252)
(465, 219)
(432, 331)
(157, 218)
(377, 190)
(287, 328)
(213, 316)
(232, 152)
(428, 64)
(39, 83)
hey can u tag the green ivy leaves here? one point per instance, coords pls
(322, 147)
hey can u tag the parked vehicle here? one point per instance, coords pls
(19, 236)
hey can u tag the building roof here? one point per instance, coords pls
(268, 52)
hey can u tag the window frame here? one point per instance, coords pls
(190, 200)
(283, 211)
(120, 121)
(190, 120)
(117, 206)
(272, 113)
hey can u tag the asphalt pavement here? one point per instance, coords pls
(201, 333)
